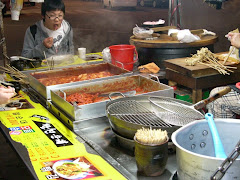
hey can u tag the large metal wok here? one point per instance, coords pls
(127, 115)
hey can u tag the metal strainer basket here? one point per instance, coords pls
(175, 113)
(178, 114)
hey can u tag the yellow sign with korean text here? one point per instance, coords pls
(54, 150)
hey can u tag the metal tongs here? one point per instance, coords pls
(51, 62)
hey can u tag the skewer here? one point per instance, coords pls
(26, 58)
(6, 83)
(206, 57)
(15, 72)
(151, 136)
(229, 53)
(33, 66)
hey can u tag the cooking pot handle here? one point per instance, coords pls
(135, 51)
(122, 66)
(155, 77)
(64, 94)
(111, 94)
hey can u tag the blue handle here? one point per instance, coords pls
(219, 149)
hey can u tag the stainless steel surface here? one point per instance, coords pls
(98, 139)
(99, 132)
(98, 109)
(45, 90)
(97, 135)
(195, 150)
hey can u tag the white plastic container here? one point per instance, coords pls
(15, 15)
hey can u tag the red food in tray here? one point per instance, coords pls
(87, 98)
(74, 78)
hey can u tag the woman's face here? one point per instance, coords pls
(53, 19)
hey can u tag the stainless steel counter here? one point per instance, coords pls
(98, 139)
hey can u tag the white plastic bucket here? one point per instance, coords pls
(15, 15)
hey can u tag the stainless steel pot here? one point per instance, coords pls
(195, 149)
(127, 115)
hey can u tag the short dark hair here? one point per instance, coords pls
(52, 5)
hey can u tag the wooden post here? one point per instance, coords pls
(174, 16)
(3, 40)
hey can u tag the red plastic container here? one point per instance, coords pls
(123, 56)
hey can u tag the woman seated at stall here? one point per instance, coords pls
(50, 36)
(228, 106)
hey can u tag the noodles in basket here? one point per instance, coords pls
(151, 136)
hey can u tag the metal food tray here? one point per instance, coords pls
(45, 90)
(95, 110)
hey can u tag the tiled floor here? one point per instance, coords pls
(11, 167)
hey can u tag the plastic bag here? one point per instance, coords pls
(142, 33)
(107, 55)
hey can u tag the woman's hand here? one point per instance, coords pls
(48, 42)
(235, 39)
(6, 94)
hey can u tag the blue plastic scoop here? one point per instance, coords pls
(218, 146)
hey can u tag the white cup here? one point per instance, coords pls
(82, 53)
(15, 15)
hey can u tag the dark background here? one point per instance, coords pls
(94, 27)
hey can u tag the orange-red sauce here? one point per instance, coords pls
(74, 78)
(87, 98)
